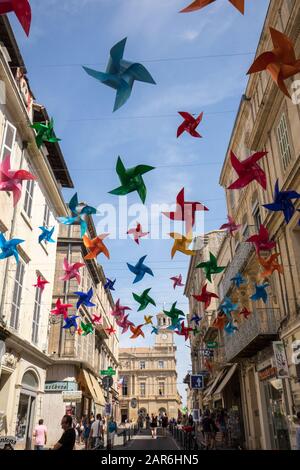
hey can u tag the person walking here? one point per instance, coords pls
(40, 436)
(86, 433)
(298, 432)
(207, 428)
(147, 421)
(153, 426)
(96, 432)
(67, 440)
(112, 429)
(164, 424)
(222, 424)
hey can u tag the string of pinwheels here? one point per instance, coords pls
(121, 75)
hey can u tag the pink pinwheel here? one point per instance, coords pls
(262, 241)
(110, 331)
(61, 309)
(96, 320)
(40, 283)
(177, 281)
(119, 310)
(137, 233)
(11, 180)
(21, 8)
(124, 323)
(231, 226)
(71, 271)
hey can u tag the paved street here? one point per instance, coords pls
(144, 441)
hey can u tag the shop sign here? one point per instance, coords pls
(61, 386)
(9, 441)
(72, 396)
(281, 363)
(296, 352)
(267, 373)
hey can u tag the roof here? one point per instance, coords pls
(8, 39)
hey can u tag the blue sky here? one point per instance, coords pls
(175, 48)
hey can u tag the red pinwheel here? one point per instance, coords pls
(248, 170)
(184, 331)
(245, 313)
(11, 180)
(110, 331)
(261, 240)
(61, 309)
(198, 4)
(205, 297)
(137, 233)
(177, 281)
(189, 124)
(22, 10)
(231, 226)
(40, 283)
(96, 319)
(185, 211)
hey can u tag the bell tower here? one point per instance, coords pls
(164, 337)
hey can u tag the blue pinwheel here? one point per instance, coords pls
(175, 325)
(230, 328)
(46, 235)
(121, 74)
(79, 213)
(260, 292)
(154, 330)
(71, 322)
(9, 248)
(227, 307)
(140, 269)
(238, 280)
(85, 298)
(283, 202)
(195, 318)
(109, 285)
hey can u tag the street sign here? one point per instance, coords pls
(107, 382)
(108, 409)
(133, 403)
(109, 372)
(197, 382)
(212, 344)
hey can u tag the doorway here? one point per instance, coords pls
(26, 410)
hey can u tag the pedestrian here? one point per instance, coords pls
(92, 418)
(67, 440)
(40, 436)
(221, 422)
(164, 423)
(207, 428)
(96, 432)
(86, 432)
(147, 421)
(214, 430)
(190, 420)
(298, 432)
(112, 429)
(153, 426)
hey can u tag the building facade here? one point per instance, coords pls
(24, 309)
(149, 377)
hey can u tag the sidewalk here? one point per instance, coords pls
(144, 441)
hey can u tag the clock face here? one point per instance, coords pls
(164, 336)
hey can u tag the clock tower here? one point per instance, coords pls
(164, 337)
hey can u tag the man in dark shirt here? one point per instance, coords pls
(67, 440)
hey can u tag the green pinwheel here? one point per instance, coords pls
(131, 180)
(174, 313)
(144, 299)
(87, 328)
(45, 132)
(211, 267)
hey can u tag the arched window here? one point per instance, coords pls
(30, 380)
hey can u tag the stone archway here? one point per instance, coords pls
(27, 409)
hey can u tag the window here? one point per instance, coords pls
(125, 387)
(36, 315)
(256, 216)
(28, 197)
(142, 389)
(142, 364)
(161, 388)
(17, 296)
(160, 364)
(9, 140)
(283, 140)
(46, 219)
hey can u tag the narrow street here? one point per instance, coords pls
(144, 441)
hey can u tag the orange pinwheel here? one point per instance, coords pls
(281, 62)
(270, 265)
(219, 322)
(136, 331)
(181, 243)
(96, 246)
(198, 4)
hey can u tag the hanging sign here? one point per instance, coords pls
(281, 363)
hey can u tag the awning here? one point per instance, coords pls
(91, 383)
(98, 390)
(226, 379)
(214, 384)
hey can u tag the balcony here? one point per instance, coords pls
(254, 334)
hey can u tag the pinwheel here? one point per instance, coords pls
(260, 293)
(281, 62)
(79, 213)
(154, 330)
(96, 319)
(248, 170)
(136, 331)
(121, 74)
(131, 180)
(46, 235)
(220, 321)
(270, 265)
(96, 246)
(119, 310)
(198, 4)
(261, 240)
(177, 281)
(110, 331)
(61, 309)
(231, 226)
(109, 285)
(79, 331)
(144, 299)
(205, 297)
(87, 328)
(185, 211)
(238, 280)
(45, 132)
(85, 298)
(71, 271)
(189, 124)
(40, 283)
(211, 267)
(148, 319)
(283, 202)
(71, 322)
(9, 248)
(227, 307)
(175, 325)
(21, 8)
(124, 323)
(174, 313)
(11, 180)
(230, 328)
(196, 319)
(184, 331)
(245, 313)
(137, 233)
(181, 243)
(140, 269)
